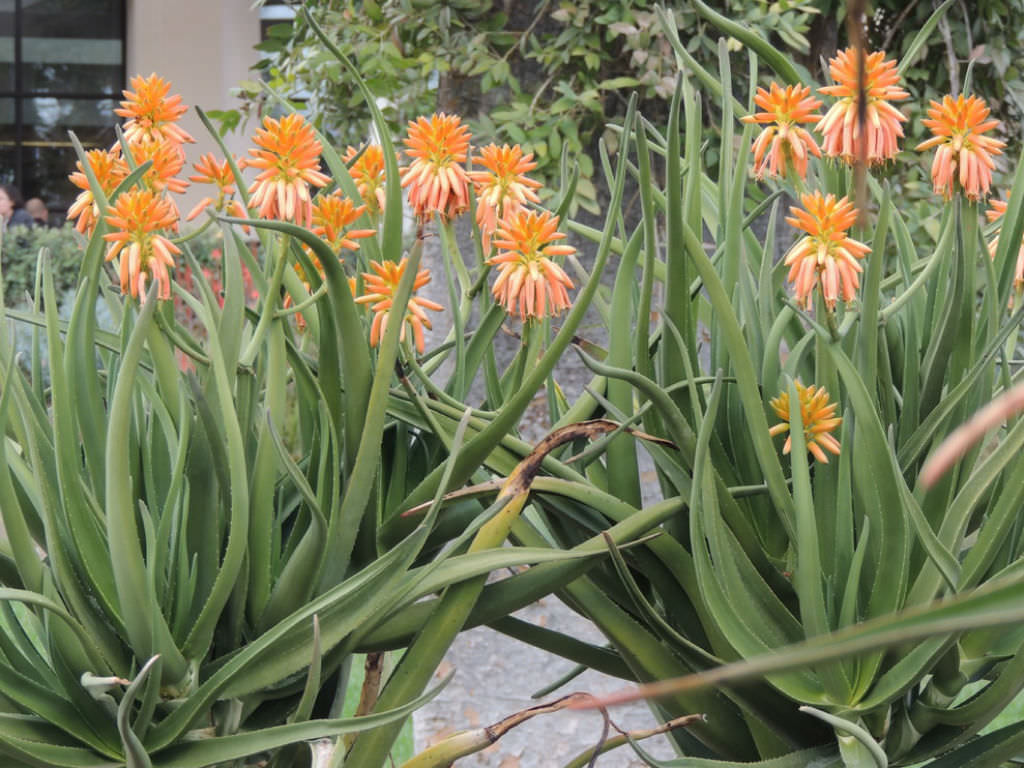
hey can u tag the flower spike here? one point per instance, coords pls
(503, 188)
(840, 127)
(826, 253)
(437, 181)
(137, 216)
(110, 170)
(167, 161)
(288, 157)
(783, 146)
(369, 174)
(527, 277)
(333, 215)
(218, 173)
(818, 416)
(152, 114)
(381, 286)
(958, 126)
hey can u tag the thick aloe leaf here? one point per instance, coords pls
(986, 751)
(147, 629)
(819, 757)
(188, 754)
(998, 604)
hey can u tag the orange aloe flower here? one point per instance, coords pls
(152, 115)
(110, 170)
(210, 171)
(333, 215)
(503, 188)
(288, 158)
(167, 160)
(818, 416)
(436, 178)
(380, 287)
(369, 174)
(995, 212)
(826, 253)
(784, 145)
(527, 277)
(137, 216)
(839, 125)
(958, 125)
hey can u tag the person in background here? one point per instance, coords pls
(37, 210)
(12, 207)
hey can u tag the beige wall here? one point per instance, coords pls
(205, 48)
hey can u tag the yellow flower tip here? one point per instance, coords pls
(380, 286)
(964, 154)
(826, 254)
(996, 210)
(839, 127)
(528, 280)
(818, 417)
(369, 174)
(110, 170)
(151, 114)
(137, 216)
(333, 216)
(288, 158)
(436, 179)
(503, 187)
(784, 145)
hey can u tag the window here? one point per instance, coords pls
(61, 69)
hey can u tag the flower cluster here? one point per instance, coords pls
(963, 151)
(287, 155)
(503, 187)
(381, 286)
(842, 128)
(367, 170)
(438, 183)
(526, 274)
(783, 146)
(826, 255)
(139, 216)
(818, 416)
(436, 178)
(218, 173)
(862, 125)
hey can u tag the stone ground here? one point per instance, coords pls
(495, 675)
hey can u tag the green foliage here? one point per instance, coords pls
(550, 75)
(545, 75)
(231, 509)
(20, 256)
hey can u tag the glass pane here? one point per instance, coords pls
(72, 46)
(6, 45)
(7, 130)
(45, 174)
(48, 119)
(6, 163)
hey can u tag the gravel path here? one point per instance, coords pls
(496, 675)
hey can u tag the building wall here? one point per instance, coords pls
(205, 48)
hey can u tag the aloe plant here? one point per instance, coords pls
(206, 521)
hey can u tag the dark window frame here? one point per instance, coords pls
(19, 94)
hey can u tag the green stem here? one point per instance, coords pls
(269, 304)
